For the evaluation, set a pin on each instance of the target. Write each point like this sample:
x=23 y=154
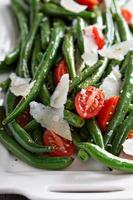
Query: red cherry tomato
x=62 y=147
x=60 y=70
x=24 y=118
x=127 y=15
x=130 y=134
x=98 y=37
x=89 y=102
x=107 y=112
x=89 y=3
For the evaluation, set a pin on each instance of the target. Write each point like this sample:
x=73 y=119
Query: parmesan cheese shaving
x=72 y=6
x=90 y=56
x=59 y=97
x=20 y=86
x=108 y=3
x=51 y=118
x=128 y=147
x=117 y=51
x=112 y=83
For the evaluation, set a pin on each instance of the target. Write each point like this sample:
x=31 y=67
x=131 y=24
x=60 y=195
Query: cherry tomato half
x=127 y=15
x=130 y=134
x=89 y=102
x=60 y=70
x=24 y=118
x=98 y=37
x=62 y=147
x=107 y=112
x=89 y=3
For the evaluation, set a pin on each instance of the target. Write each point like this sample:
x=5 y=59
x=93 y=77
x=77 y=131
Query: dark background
x=12 y=197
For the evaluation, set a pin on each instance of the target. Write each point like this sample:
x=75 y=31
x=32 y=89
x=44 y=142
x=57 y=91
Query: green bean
x=54 y=1
x=106 y=158
x=122 y=109
x=95 y=132
x=112 y=63
x=53 y=163
x=50 y=82
x=39 y=56
x=25 y=140
x=20 y=135
x=122 y=27
x=43 y=69
x=5 y=84
x=79 y=32
x=125 y=63
x=121 y=134
x=131 y=27
x=84 y=133
x=12 y=56
x=57 y=11
x=27 y=46
x=88 y=71
x=34 y=8
x=44 y=95
x=83 y=155
x=21 y=18
x=70 y=104
x=37 y=136
x=117 y=35
x=32 y=125
x=73 y=119
x=130 y=107
x=68 y=51
x=95 y=77
x=45 y=32
x=36 y=50
x=121 y=23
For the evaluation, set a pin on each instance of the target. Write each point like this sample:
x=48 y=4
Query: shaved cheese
x=90 y=56
x=112 y=83
x=59 y=97
x=20 y=86
x=128 y=147
x=108 y=3
x=51 y=118
x=72 y=6
x=117 y=51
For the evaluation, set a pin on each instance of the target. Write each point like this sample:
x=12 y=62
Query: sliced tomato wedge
x=62 y=147
x=60 y=70
x=127 y=15
x=130 y=134
x=24 y=118
x=107 y=112
x=89 y=102
x=98 y=37
x=91 y=4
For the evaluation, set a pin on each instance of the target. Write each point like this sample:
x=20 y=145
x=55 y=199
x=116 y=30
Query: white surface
x=82 y=179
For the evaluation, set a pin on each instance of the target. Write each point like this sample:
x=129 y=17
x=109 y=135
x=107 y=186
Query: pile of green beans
x=49 y=34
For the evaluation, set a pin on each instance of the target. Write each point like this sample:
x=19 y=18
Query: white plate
x=81 y=181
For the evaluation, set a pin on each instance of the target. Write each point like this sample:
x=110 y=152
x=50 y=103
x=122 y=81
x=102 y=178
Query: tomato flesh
x=24 y=118
x=60 y=70
x=91 y=4
x=62 y=146
x=98 y=37
x=89 y=102
x=127 y=15
x=107 y=112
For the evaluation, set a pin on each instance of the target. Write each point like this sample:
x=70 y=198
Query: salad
x=70 y=89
